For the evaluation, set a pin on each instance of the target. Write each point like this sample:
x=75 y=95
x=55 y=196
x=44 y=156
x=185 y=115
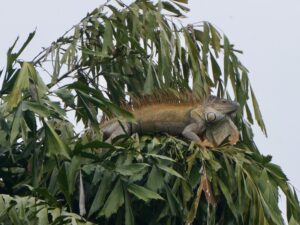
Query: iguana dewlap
x=218 y=132
x=188 y=120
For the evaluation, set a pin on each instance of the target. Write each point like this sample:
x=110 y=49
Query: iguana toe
x=205 y=144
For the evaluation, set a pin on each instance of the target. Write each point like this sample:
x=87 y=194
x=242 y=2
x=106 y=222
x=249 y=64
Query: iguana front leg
x=191 y=132
x=197 y=127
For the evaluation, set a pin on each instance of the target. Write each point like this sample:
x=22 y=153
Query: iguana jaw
x=235 y=106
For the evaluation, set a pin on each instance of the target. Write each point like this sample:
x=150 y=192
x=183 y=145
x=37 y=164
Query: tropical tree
x=55 y=167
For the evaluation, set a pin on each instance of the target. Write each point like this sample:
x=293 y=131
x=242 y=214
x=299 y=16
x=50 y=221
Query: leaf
x=181 y=1
x=114 y=201
x=149 y=83
x=72 y=173
x=16 y=125
x=227 y=195
x=82 y=210
x=170 y=171
x=92 y=145
x=104 y=188
x=269 y=197
x=257 y=113
x=36 y=85
x=54 y=144
x=155 y=179
x=173 y=202
x=21 y=83
x=62 y=180
x=107 y=38
x=169 y=7
x=37 y=108
x=215 y=38
x=129 y=217
x=226 y=59
x=143 y=193
x=215 y=68
x=42 y=215
x=11 y=57
x=99 y=100
x=185 y=9
x=66 y=96
x=131 y=169
x=28 y=40
x=161 y=157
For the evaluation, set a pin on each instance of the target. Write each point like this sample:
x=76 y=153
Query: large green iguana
x=191 y=120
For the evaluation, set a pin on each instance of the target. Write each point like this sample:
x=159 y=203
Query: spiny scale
x=163 y=97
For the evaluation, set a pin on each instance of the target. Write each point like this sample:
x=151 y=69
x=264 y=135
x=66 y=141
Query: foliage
x=117 y=51
x=30 y=210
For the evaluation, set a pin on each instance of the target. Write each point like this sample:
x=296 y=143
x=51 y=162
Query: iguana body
x=188 y=120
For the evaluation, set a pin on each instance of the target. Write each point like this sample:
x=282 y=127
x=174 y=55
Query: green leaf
x=170 y=171
x=226 y=59
x=11 y=57
x=37 y=108
x=107 y=38
x=129 y=217
x=62 y=180
x=155 y=179
x=149 y=83
x=104 y=188
x=225 y=190
x=169 y=7
x=55 y=145
x=15 y=129
x=143 y=193
x=161 y=157
x=173 y=202
x=21 y=83
x=114 y=201
x=215 y=68
x=181 y=1
x=92 y=145
x=257 y=113
x=131 y=169
x=66 y=96
x=72 y=173
x=215 y=38
x=98 y=99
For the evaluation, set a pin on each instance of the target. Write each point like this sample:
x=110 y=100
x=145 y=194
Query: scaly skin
x=190 y=121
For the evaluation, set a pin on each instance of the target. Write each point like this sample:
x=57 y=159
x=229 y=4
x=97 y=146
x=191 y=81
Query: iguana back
x=160 y=118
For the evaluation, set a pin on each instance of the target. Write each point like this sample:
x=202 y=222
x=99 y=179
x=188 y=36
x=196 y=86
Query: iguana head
x=218 y=108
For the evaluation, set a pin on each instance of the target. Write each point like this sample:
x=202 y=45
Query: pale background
x=266 y=30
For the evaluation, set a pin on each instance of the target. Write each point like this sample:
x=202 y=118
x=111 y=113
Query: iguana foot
x=205 y=144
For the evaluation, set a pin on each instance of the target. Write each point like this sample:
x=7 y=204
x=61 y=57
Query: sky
x=267 y=31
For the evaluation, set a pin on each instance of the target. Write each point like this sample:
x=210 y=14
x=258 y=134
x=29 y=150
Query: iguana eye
x=210 y=117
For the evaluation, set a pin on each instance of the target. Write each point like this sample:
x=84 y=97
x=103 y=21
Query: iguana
x=188 y=118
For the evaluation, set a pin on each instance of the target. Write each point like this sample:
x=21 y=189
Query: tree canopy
x=51 y=169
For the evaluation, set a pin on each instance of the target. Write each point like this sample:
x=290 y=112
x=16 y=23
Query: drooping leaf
x=55 y=145
x=143 y=193
x=170 y=171
x=114 y=201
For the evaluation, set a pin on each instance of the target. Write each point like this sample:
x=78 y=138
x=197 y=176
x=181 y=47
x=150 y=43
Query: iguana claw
x=205 y=144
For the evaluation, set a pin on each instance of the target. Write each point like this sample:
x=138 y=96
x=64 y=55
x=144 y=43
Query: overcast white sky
x=267 y=31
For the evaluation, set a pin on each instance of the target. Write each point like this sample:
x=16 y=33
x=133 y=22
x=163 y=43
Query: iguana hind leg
x=118 y=128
